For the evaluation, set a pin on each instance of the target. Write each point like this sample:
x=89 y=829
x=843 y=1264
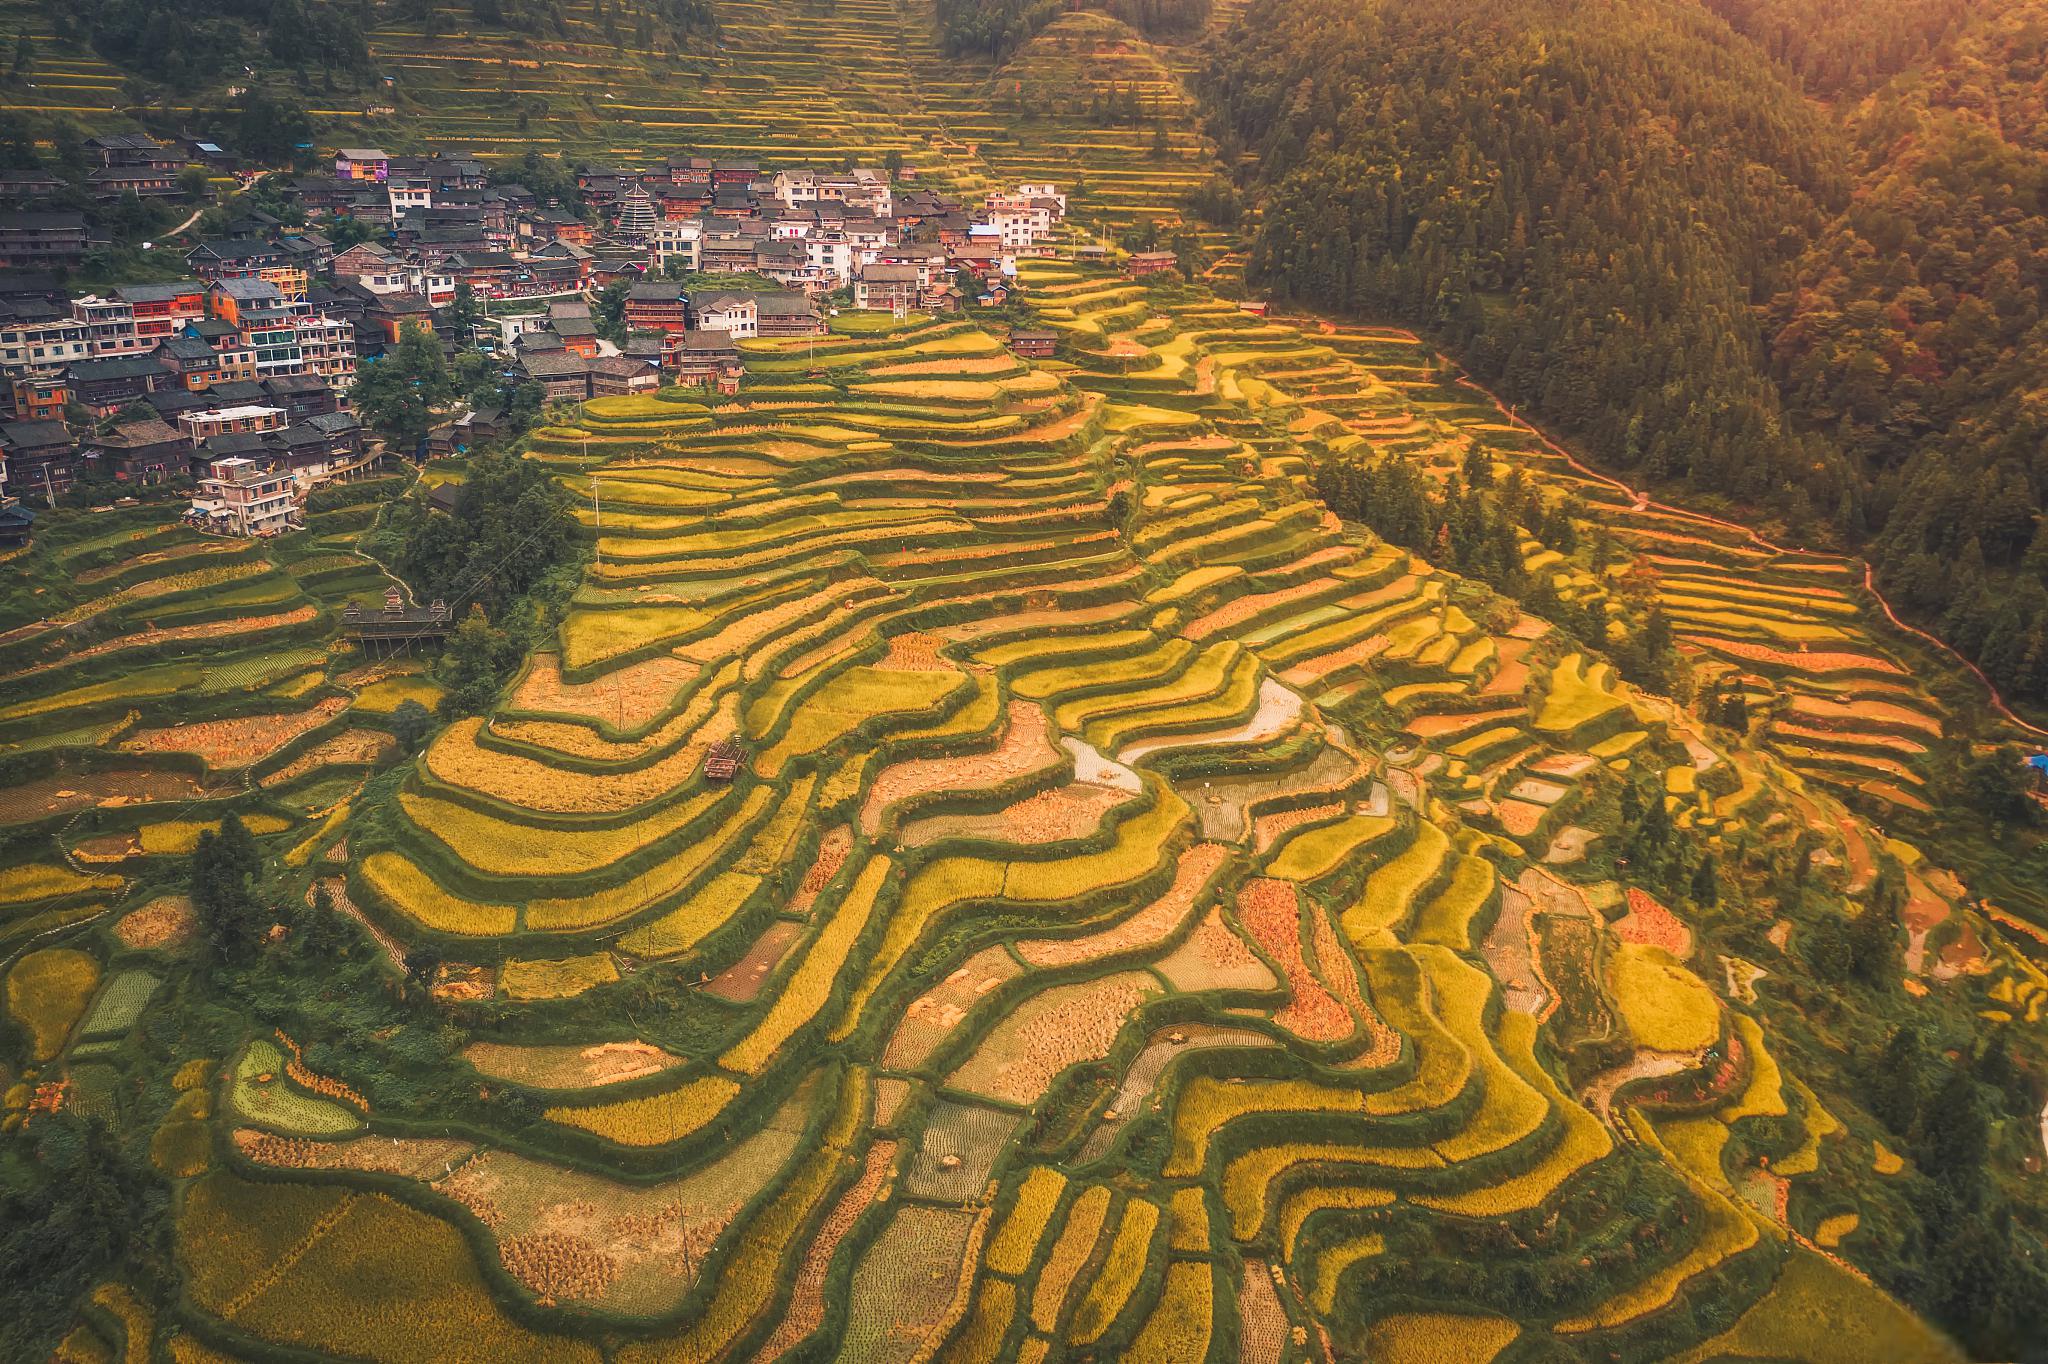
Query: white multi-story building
x=109 y=325
x=795 y=187
x=408 y=193
x=223 y=421
x=327 y=346
x=681 y=241
x=869 y=237
x=1044 y=191
x=435 y=285
x=861 y=189
x=44 y=345
x=736 y=314
x=243 y=498
x=833 y=256
x=1021 y=225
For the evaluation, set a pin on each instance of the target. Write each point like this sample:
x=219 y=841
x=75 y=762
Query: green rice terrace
x=1151 y=918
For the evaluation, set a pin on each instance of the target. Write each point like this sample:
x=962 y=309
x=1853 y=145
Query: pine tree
x=1876 y=957
x=474 y=664
x=1955 y=1131
x=221 y=879
x=1893 y=1088
x=1706 y=889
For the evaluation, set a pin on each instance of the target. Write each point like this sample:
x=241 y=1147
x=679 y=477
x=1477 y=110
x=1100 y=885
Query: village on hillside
x=239 y=375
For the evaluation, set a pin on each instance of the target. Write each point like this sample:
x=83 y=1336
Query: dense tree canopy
x=187 y=44
x=1634 y=220
x=510 y=525
x=400 y=391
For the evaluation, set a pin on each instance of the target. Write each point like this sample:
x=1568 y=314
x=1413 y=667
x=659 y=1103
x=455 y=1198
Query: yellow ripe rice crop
x=1178 y=1329
x=849 y=700
x=456 y=759
x=138 y=1323
x=1439 y=1338
x=556 y=979
x=1447 y=919
x=1725 y=1229
x=655 y=1119
x=1331 y=1264
x=1009 y=1250
x=33 y=881
x=1666 y=1007
x=713 y=707
x=162 y=587
x=981 y=713
x=664 y=878
x=1206 y=1106
x=1140 y=844
x=1696 y=1145
x=499 y=847
x=1400 y=989
x=1193 y=581
x=1047 y=683
x=1584 y=1140
x=1316 y=852
x=1069 y=1254
x=933 y=888
x=1190 y=1226
x=627 y=699
x=707 y=910
x=1764 y=1096
x=1579 y=694
x=47 y=991
x=1042 y=648
x=179 y=836
x=591 y=638
x=1121 y=1269
x=1203 y=676
x=383 y=697
x=980 y=1341
x=807 y=988
x=1512 y=1109
x=1389 y=894
x=770 y=847
x=1832 y=1231
x=1303 y=1204
x=1821 y=1313
x=753 y=1273
x=332 y=1271
x=413 y=893
x=1820 y=1124
x=1248 y=1180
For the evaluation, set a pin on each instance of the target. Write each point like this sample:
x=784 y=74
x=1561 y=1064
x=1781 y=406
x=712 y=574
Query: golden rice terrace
x=1149 y=919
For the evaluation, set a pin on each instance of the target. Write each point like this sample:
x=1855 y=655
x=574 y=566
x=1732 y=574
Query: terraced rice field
x=784 y=85
x=1141 y=936
x=172 y=676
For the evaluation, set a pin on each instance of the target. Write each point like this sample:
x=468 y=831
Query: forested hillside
x=1843 y=47
x=1684 y=234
